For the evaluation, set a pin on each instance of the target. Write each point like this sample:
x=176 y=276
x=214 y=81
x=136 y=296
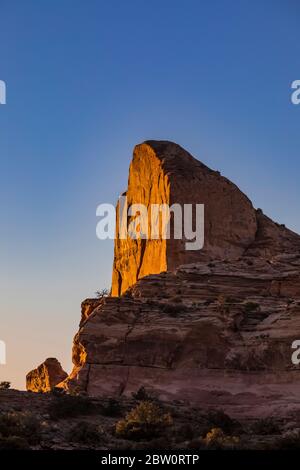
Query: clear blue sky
x=86 y=81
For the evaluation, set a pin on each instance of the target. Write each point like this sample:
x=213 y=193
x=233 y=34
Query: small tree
x=142 y=395
x=102 y=293
x=5 y=385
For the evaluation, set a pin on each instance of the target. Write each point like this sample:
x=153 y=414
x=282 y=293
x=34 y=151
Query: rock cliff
x=213 y=326
x=165 y=173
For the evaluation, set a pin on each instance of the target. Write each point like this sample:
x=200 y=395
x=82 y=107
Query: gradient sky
x=86 y=81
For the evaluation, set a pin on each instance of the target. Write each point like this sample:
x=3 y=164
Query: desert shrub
x=101 y=293
x=142 y=395
x=5 y=385
x=111 y=408
x=264 y=427
x=13 y=443
x=250 y=307
x=146 y=420
x=67 y=406
x=85 y=433
x=219 y=419
x=216 y=439
x=20 y=424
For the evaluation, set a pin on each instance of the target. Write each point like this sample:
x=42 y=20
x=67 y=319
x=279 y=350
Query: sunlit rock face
x=162 y=172
x=46 y=376
x=213 y=327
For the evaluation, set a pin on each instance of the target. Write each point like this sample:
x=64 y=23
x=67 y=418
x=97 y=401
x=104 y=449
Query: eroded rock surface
x=213 y=327
x=165 y=173
x=46 y=376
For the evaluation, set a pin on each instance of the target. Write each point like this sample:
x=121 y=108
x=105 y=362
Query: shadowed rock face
x=213 y=327
x=46 y=376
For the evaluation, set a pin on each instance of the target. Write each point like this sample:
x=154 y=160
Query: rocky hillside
x=213 y=327
x=56 y=421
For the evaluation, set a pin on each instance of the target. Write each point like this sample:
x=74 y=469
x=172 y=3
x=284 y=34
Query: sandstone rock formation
x=87 y=307
x=165 y=173
x=46 y=376
x=213 y=327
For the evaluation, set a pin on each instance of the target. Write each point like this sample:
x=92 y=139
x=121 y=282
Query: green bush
x=145 y=421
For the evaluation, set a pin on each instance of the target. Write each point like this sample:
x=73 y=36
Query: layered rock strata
x=213 y=326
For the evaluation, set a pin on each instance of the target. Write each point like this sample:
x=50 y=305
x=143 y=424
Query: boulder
x=46 y=376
